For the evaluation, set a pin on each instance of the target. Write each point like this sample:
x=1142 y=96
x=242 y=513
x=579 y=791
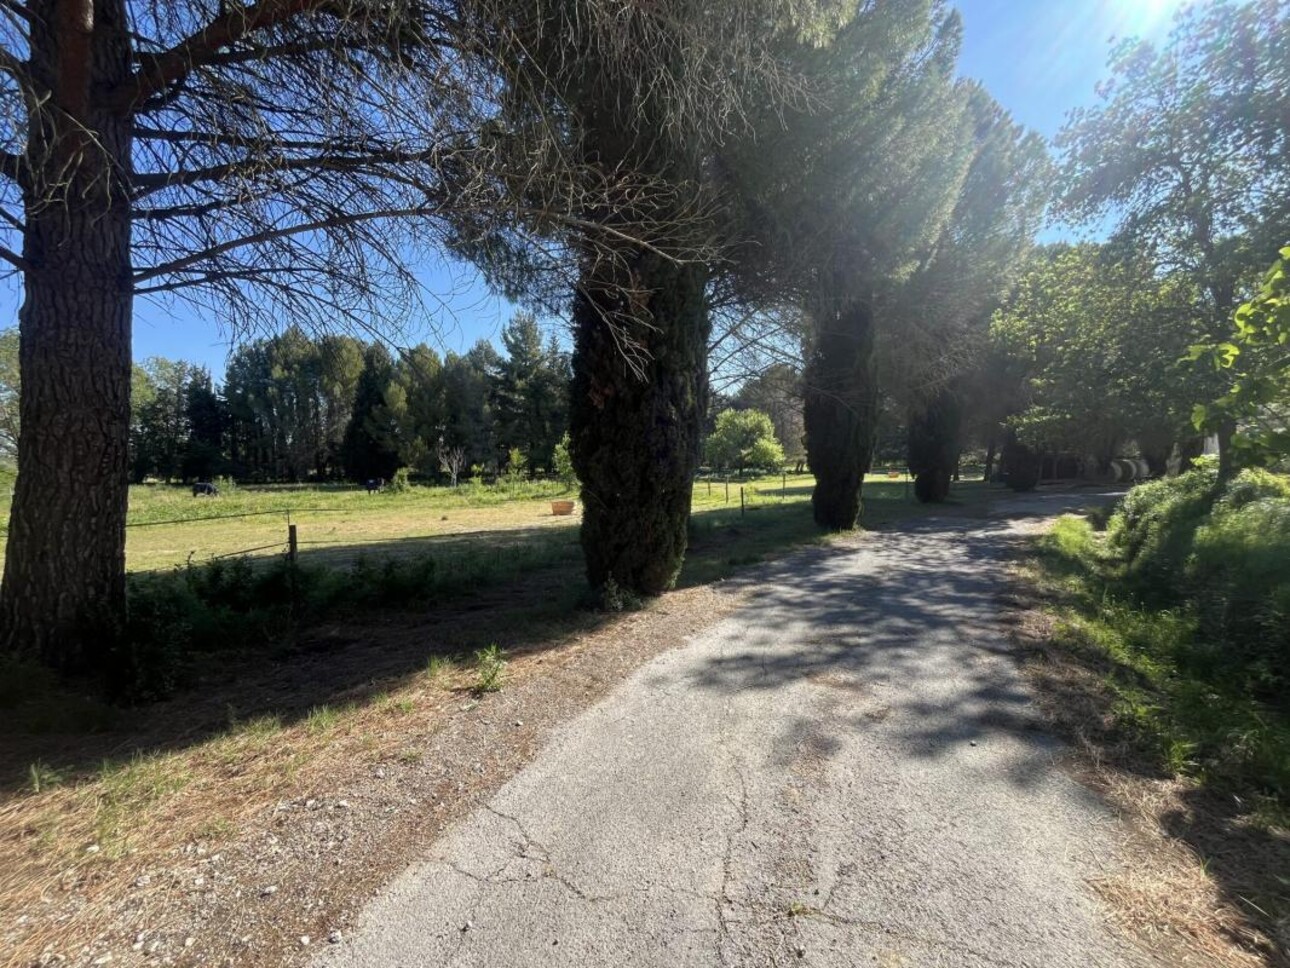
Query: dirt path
x=846 y=771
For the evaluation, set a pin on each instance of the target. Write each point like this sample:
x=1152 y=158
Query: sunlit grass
x=1191 y=714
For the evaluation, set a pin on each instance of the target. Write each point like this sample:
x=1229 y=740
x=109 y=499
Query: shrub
x=517 y=465
x=562 y=462
x=1154 y=525
x=615 y=598
x=1223 y=553
x=238 y=604
x=401 y=482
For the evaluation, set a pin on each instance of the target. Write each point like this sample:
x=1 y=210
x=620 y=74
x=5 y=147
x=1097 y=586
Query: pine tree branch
x=15 y=260
x=158 y=72
x=316 y=225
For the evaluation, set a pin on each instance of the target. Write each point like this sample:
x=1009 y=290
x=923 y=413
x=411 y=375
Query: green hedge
x=1223 y=553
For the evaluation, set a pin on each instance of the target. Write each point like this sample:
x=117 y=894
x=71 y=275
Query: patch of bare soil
x=1192 y=865
x=257 y=845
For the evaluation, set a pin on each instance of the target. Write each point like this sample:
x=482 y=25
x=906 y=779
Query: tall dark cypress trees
x=934 y=446
x=841 y=410
x=370 y=449
x=636 y=429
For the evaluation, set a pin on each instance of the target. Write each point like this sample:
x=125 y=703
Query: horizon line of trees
x=294 y=407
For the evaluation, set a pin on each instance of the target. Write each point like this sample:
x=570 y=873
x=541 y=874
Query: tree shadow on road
x=914 y=615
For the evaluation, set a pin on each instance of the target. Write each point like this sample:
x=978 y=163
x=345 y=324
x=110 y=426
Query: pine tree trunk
x=989 y=459
x=1022 y=467
x=63 y=593
x=934 y=447
x=840 y=412
x=636 y=419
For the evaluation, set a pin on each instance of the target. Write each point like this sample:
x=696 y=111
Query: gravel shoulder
x=847 y=769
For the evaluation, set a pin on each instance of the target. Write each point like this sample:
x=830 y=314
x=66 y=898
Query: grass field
x=168 y=527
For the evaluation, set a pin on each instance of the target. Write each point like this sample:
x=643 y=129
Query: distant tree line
x=294 y=407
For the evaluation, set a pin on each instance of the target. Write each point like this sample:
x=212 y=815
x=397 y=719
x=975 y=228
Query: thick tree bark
x=636 y=420
x=63 y=594
x=1022 y=467
x=989 y=459
x=840 y=412
x=934 y=447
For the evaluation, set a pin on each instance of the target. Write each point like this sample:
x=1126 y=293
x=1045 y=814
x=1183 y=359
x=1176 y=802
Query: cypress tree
x=840 y=411
x=635 y=430
x=370 y=450
x=934 y=446
x=1022 y=466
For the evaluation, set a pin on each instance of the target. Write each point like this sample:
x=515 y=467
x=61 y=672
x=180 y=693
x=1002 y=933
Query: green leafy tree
x=161 y=424
x=468 y=422
x=207 y=417
x=562 y=462
x=1256 y=358
x=340 y=363
x=744 y=438
x=1187 y=150
x=416 y=401
x=530 y=392
x=1099 y=339
x=777 y=392
x=272 y=387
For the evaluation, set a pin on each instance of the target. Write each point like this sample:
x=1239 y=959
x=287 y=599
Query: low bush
x=1184 y=602
x=1222 y=552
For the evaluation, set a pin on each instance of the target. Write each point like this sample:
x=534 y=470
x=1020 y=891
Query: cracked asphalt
x=848 y=771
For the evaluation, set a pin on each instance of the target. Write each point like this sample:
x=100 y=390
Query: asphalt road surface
x=846 y=772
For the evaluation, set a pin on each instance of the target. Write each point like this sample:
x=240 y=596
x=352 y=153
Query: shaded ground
x=847 y=770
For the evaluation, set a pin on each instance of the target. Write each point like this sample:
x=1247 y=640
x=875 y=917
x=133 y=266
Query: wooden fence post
x=741 y=500
x=727 y=490
x=293 y=547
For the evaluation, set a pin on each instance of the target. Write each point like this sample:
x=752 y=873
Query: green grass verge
x=1193 y=716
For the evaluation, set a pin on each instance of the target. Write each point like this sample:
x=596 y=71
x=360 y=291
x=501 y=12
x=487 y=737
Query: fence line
x=247 y=551
x=287 y=512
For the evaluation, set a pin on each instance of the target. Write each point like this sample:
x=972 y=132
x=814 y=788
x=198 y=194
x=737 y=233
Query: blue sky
x=1039 y=58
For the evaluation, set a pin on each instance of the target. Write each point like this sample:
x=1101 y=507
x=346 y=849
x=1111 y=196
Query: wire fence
x=318 y=541
x=302 y=531
x=748 y=495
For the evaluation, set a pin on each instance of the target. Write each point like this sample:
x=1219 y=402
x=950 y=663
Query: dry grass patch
x=322 y=807
x=97 y=835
